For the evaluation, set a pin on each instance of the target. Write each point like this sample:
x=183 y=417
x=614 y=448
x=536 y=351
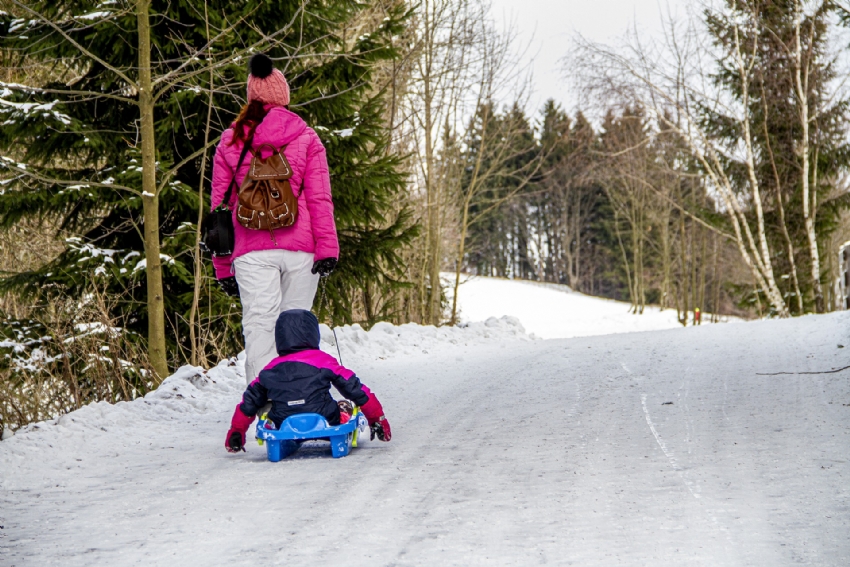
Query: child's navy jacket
x=298 y=381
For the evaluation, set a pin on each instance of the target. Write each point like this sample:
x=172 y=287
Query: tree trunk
x=637 y=261
x=197 y=352
x=576 y=277
x=715 y=309
x=567 y=236
x=625 y=260
x=763 y=250
x=434 y=293
x=702 y=274
x=666 y=262
x=683 y=274
x=464 y=225
x=150 y=199
x=431 y=197
x=808 y=213
x=781 y=208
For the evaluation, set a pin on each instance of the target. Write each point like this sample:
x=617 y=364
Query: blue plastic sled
x=296 y=429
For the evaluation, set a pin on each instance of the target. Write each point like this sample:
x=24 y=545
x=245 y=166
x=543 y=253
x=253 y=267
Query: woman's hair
x=249 y=117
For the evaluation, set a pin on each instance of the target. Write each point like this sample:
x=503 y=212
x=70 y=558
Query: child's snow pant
x=270 y=282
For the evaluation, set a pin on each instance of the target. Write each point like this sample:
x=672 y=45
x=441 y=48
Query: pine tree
x=566 y=203
x=502 y=157
x=72 y=143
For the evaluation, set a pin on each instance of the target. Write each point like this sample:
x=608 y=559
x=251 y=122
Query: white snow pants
x=270 y=282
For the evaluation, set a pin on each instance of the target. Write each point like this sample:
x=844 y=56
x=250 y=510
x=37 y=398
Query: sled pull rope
x=324 y=282
x=339 y=354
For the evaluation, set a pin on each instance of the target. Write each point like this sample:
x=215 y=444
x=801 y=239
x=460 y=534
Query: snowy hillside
x=718 y=445
x=552 y=311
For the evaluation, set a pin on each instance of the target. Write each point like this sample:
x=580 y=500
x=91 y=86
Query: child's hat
x=265 y=83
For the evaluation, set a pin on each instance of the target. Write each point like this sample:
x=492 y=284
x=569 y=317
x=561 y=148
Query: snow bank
x=190 y=390
x=385 y=339
x=194 y=390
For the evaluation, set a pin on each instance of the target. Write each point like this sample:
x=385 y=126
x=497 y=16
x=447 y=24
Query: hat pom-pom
x=260 y=66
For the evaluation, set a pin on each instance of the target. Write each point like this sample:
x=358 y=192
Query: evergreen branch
x=328 y=96
x=24 y=172
x=73 y=42
x=226 y=61
x=168 y=174
x=93 y=94
x=192 y=57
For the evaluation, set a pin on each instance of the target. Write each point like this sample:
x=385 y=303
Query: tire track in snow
x=671 y=458
x=667 y=452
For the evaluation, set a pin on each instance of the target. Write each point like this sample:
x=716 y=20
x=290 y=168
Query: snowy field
x=718 y=445
x=552 y=311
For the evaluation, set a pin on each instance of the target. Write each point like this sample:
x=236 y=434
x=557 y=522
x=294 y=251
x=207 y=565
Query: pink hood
x=315 y=230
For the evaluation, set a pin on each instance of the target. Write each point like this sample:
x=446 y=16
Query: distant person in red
x=697 y=316
x=299 y=381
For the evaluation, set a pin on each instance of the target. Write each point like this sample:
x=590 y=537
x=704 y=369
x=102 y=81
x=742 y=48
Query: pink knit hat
x=265 y=83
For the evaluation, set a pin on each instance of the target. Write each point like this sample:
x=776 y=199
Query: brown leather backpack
x=266 y=200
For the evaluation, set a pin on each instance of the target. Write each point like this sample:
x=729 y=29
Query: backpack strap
x=224 y=202
x=259 y=149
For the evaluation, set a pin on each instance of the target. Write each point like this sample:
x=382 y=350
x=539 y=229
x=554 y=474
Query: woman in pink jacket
x=274 y=271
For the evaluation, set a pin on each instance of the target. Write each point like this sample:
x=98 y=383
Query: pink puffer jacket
x=315 y=230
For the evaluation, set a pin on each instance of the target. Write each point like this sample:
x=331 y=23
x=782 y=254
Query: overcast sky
x=549 y=24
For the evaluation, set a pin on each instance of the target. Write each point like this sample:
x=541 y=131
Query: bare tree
x=673 y=85
x=442 y=74
x=625 y=179
x=459 y=65
x=754 y=96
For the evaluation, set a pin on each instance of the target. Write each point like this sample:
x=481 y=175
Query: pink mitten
x=381 y=429
x=235 y=440
x=374 y=413
x=372 y=409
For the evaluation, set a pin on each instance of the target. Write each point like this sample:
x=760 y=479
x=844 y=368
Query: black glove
x=235 y=442
x=229 y=286
x=324 y=267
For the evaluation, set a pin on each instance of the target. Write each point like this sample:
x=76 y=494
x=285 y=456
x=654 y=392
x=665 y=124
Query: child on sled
x=299 y=381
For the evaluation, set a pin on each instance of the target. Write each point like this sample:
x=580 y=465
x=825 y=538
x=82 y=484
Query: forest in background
x=703 y=171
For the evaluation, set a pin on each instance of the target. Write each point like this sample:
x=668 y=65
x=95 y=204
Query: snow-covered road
x=663 y=448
